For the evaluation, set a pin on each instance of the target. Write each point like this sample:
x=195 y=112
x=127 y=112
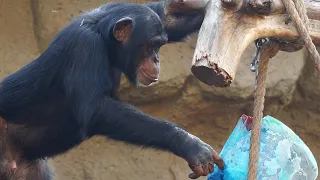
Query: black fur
x=68 y=93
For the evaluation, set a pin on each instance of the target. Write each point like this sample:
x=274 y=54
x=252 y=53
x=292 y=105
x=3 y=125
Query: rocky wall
x=26 y=28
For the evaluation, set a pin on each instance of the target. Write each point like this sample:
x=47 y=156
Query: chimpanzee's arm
x=99 y=114
x=124 y=122
x=178 y=25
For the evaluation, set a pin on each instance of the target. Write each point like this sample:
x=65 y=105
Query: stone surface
x=208 y=112
x=309 y=85
x=17 y=40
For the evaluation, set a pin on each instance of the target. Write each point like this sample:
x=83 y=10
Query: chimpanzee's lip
x=151 y=78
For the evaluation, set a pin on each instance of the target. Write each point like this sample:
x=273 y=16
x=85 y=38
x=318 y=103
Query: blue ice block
x=283 y=155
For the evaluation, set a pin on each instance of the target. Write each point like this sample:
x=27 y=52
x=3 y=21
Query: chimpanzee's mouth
x=150 y=77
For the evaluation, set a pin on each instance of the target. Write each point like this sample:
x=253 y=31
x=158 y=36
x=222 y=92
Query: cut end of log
x=212 y=75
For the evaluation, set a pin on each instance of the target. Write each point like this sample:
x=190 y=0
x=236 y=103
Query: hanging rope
x=265 y=51
x=297 y=11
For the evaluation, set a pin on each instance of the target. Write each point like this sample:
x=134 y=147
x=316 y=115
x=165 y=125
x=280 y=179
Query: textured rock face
x=18 y=44
x=208 y=112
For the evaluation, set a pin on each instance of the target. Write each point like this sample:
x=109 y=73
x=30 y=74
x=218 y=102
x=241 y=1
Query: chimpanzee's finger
x=197 y=171
x=193 y=176
x=205 y=170
x=210 y=167
x=218 y=160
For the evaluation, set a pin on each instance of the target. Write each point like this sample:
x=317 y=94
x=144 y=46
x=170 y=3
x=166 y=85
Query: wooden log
x=231 y=25
x=174 y=6
x=226 y=33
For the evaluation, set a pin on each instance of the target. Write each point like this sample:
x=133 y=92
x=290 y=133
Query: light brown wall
x=27 y=26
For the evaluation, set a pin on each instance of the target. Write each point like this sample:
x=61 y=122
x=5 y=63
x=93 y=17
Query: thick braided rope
x=259 y=99
x=301 y=9
x=298 y=14
x=297 y=11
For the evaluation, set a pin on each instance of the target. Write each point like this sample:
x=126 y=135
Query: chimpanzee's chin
x=139 y=84
x=143 y=85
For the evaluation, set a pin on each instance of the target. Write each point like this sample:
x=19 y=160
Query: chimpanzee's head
x=139 y=36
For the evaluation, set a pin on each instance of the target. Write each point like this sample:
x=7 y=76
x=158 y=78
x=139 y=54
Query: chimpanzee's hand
x=201 y=157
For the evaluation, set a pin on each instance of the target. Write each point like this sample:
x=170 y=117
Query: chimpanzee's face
x=140 y=48
x=148 y=68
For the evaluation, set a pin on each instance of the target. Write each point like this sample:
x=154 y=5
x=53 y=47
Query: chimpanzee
x=68 y=93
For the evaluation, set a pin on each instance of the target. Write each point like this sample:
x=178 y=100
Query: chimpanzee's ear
x=122 y=29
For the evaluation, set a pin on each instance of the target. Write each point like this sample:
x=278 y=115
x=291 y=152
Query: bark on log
x=231 y=25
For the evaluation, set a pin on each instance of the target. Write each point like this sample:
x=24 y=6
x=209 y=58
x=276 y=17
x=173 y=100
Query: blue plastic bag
x=283 y=155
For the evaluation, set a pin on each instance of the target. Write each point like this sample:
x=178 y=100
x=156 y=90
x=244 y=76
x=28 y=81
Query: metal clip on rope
x=255 y=61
